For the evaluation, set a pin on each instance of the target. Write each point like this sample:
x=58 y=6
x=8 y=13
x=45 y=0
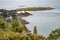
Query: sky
x=16 y=3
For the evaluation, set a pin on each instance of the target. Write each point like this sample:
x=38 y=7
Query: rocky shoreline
x=13 y=12
x=24 y=21
x=24 y=14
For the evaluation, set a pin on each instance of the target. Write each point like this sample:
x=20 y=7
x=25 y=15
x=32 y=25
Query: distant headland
x=34 y=8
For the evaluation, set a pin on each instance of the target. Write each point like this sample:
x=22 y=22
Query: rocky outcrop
x=25 y=14
x=24 y=21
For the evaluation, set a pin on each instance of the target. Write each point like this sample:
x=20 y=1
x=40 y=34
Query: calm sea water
x=46 y=21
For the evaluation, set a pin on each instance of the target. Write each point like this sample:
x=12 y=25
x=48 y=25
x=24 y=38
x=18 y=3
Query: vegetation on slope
x=14 y=32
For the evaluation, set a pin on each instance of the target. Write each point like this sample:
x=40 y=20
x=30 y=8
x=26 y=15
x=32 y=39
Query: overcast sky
x=16 y=3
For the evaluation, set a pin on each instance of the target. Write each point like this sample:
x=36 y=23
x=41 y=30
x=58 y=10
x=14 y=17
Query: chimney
x=35 y=31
